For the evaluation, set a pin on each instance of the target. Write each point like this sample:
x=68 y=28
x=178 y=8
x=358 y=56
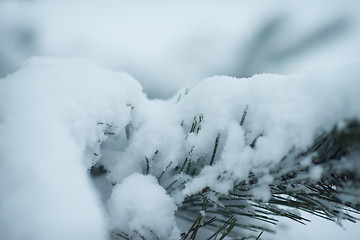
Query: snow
x=67 y=106
x=63 y=114
x=318 y=228
x=275 y=114
x=156 y=123
x=140 y=204
x=50 y=111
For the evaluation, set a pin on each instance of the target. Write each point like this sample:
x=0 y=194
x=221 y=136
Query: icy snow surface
x=59 y=117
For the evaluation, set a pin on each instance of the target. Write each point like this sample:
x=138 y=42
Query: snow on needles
x=281 y=112
x=59 y=117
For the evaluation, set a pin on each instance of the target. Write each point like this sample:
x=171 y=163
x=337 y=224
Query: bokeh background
x=168 y=45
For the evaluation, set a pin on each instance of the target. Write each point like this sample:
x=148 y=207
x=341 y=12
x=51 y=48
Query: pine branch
x=239 y=214
x=331 y=197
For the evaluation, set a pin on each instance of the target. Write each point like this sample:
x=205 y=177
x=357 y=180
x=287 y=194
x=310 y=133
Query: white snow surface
x=287 y=110
x=54 y=114
x=50 y=115
x=140 y=204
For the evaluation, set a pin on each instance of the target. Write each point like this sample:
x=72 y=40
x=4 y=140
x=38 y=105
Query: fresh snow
x=60 y=116
x=140 y=204
x=51 y=112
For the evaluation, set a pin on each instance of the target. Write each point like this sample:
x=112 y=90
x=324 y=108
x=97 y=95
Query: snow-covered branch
x=229 y=152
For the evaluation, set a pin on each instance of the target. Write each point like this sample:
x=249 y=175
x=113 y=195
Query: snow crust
x=60 y=116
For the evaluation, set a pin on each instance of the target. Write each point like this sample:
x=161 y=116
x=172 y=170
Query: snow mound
x=51 y=115
x=140 y=205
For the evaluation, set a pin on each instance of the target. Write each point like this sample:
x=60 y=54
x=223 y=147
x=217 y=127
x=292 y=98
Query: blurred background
x=167 y=45
x=170 y=44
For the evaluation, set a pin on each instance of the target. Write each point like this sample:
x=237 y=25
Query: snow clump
x=140 y=204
